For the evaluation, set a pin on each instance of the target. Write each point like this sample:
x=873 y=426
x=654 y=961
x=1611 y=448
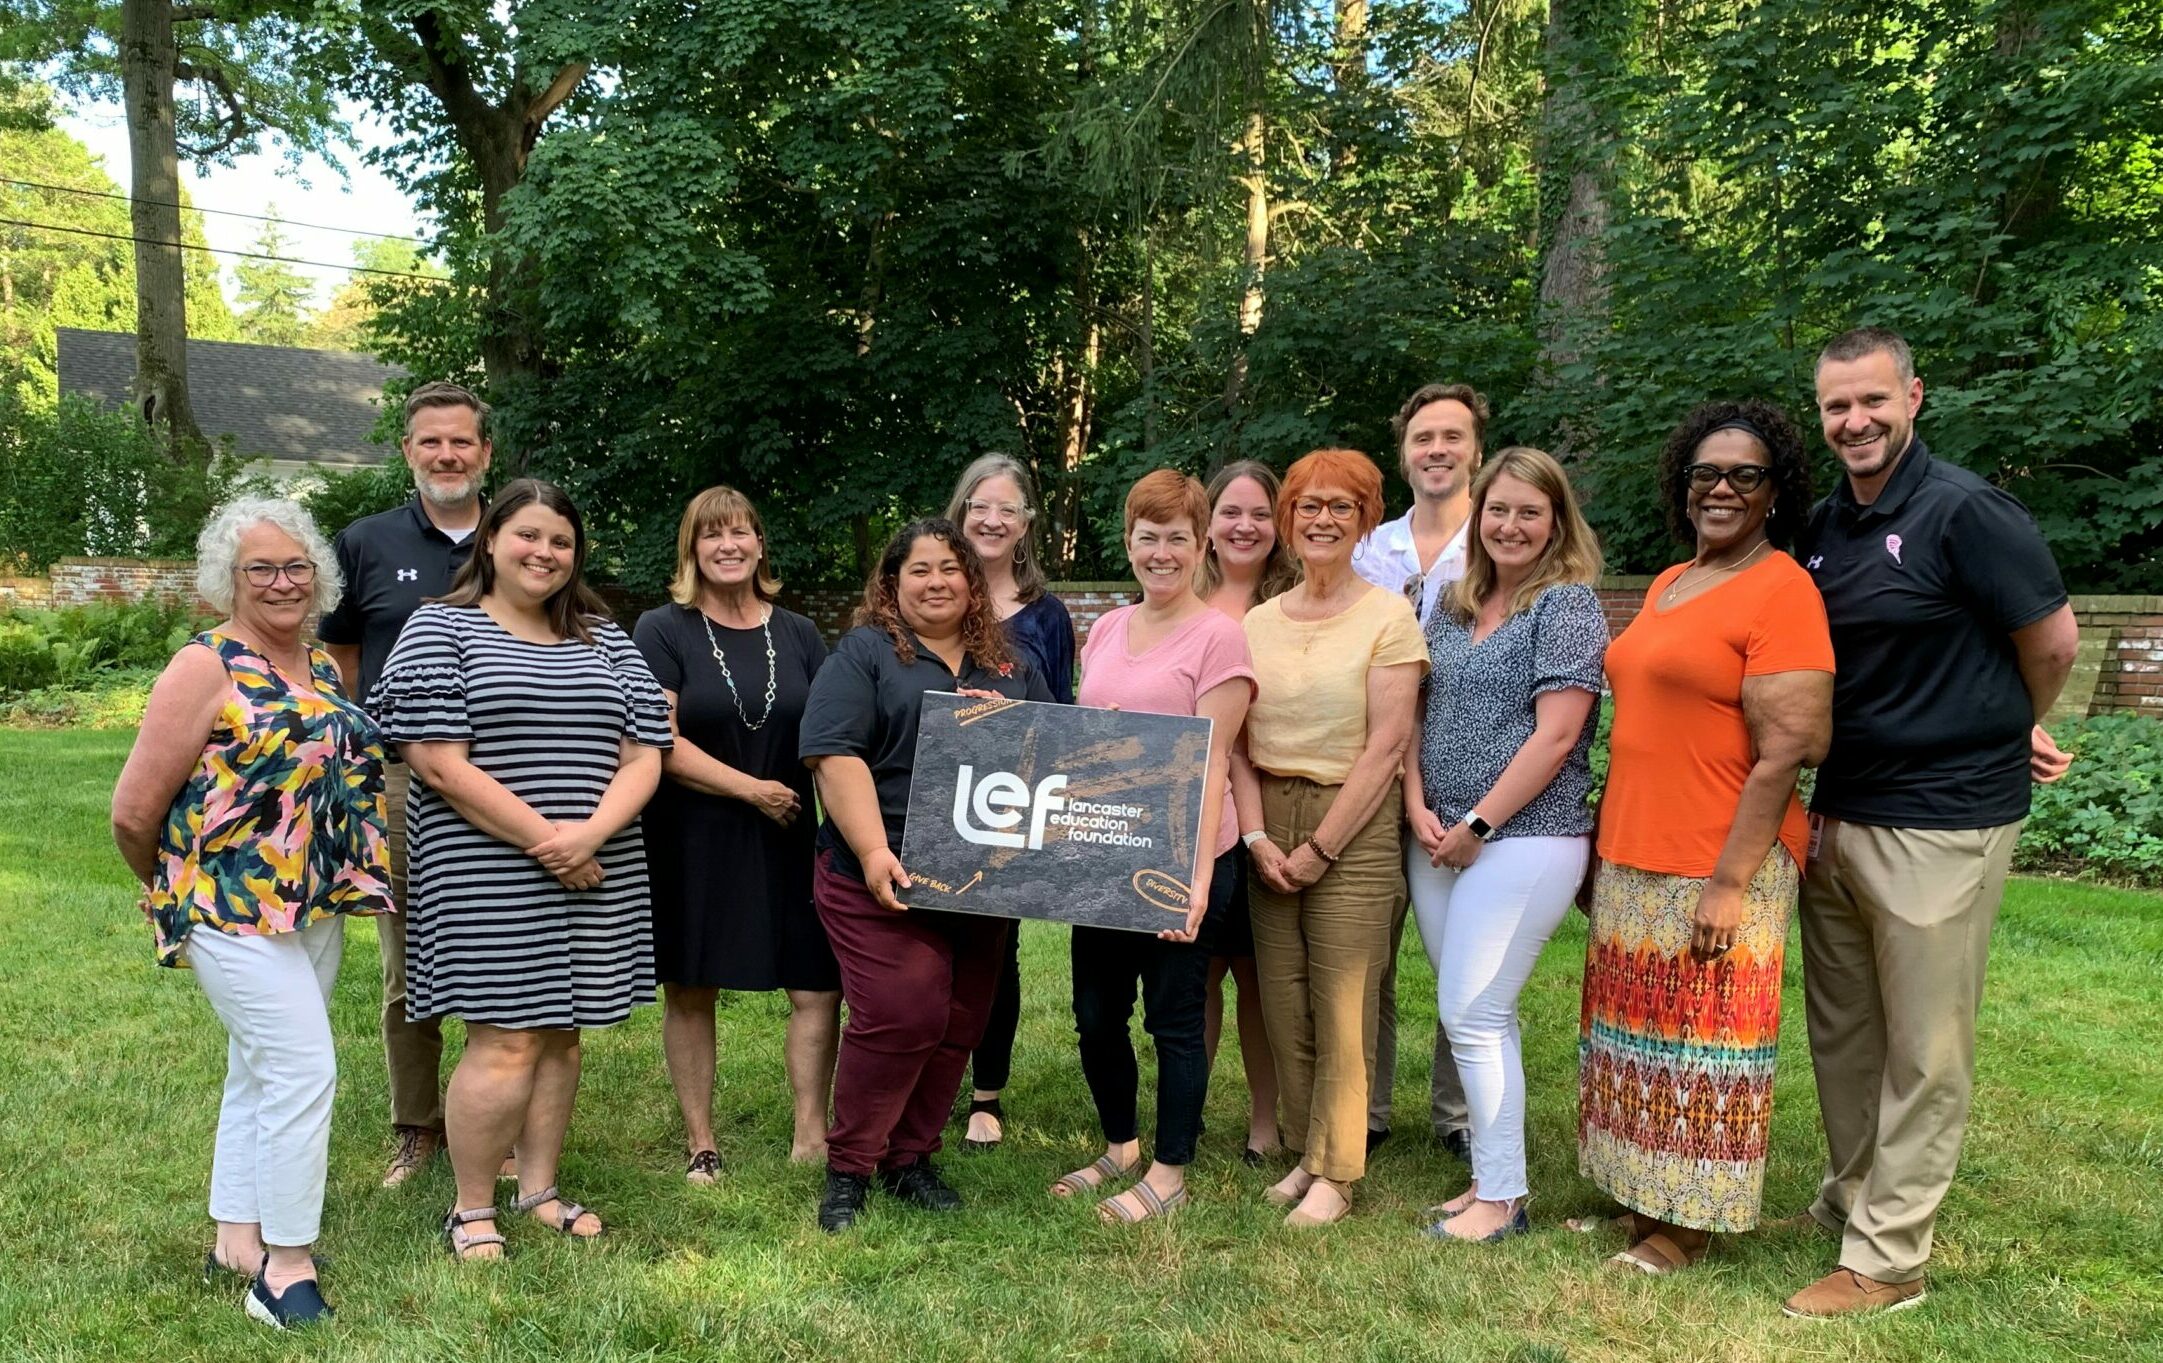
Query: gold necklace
x=1674 y=589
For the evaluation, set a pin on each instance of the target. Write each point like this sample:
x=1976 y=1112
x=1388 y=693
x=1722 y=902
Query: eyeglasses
x=300 y=572
x=1006 y=512
x=1744 y=478
x=1307 y=508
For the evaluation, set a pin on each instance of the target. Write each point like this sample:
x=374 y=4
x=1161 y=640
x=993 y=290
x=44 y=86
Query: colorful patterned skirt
x=1675 y=1058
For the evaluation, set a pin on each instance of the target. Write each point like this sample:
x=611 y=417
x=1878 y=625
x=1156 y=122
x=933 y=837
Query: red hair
x=1165 y=496
x=1347 y=469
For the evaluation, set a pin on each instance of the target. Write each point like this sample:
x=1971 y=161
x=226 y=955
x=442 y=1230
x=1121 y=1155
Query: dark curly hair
x=1783 y=447
x=981 y=633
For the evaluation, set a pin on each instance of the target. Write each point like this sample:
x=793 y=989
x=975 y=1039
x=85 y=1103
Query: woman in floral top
x=251 y=809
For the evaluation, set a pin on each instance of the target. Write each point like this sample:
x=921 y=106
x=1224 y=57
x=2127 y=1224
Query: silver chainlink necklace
x=766 y=629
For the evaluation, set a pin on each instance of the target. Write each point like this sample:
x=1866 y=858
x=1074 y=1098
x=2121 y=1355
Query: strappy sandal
x=567 y=1212
x=1657 y=1256
x=705 y=1167
x=997 y=1114
x=462 y=1245
x=1106 y=1168
x=1113 y=1212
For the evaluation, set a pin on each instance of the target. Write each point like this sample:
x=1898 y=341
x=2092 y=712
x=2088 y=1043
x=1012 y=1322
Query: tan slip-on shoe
x=1844 y=1292
x=416 y=1146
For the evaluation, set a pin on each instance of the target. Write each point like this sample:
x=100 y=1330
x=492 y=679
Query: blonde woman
x=1496 y=801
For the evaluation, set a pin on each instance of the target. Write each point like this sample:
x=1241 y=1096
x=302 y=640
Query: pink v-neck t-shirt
x=1205 y=651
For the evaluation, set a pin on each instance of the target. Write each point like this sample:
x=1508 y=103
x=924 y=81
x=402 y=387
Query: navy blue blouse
x=1044 y=634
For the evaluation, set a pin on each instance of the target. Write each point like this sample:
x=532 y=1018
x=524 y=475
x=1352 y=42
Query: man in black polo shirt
x=1952 y=636
x=392 y=561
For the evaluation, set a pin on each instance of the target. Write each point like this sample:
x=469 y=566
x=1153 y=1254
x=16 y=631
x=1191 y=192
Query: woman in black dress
x=729 y=835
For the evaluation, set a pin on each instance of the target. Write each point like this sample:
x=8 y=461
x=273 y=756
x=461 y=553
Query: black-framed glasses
x=1744 y=478
x=300 y=572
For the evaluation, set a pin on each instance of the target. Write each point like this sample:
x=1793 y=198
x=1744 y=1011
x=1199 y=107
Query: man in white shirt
x=1440 y=430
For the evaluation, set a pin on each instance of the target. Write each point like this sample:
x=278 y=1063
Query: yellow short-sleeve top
x=1310 y=716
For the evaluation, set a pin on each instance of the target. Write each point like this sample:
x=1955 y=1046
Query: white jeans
x=1483 y=928
x=281 y=1072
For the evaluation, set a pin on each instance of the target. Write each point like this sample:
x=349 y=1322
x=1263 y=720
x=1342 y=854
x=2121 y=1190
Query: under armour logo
x=1815 y=561
x=1892 y=546
x=409 y=574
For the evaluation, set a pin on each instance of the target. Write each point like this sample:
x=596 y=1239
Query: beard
x=436 y=494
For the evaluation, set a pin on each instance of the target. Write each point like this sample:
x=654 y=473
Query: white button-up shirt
x=1389 y=558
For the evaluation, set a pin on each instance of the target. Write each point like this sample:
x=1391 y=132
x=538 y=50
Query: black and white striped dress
x=491 y=936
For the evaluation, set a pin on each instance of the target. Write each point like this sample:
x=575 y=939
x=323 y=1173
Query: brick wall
x=2121 y=637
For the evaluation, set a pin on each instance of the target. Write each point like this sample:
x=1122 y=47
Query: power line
x=220 y=250
x=221 y=212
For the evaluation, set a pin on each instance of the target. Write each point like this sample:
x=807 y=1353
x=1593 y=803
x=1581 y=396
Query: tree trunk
x=1146 y=338
x=1077 y=399
x=1348 y=68
x=1574 y=158
x=1253 y=264
x=147 y=62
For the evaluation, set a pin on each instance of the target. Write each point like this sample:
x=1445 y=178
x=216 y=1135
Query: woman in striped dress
x=536 y=730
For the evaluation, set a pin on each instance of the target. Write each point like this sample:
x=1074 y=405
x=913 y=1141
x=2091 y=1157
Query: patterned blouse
x=1482 y=706
x=282 y=823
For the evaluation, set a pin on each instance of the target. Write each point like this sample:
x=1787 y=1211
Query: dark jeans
x=994 y=1063
x=918 y=986
x=1174 y=977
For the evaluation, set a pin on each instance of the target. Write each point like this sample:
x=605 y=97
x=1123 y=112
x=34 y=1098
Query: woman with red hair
x=1320 y=804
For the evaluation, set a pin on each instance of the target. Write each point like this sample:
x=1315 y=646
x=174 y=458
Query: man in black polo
x=392 y=561
x=1952 y=637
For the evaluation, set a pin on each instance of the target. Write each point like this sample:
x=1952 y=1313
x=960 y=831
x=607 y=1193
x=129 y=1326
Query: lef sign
x=1025 y=810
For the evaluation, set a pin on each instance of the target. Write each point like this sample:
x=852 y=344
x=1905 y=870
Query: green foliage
x=339 y=499
x=26 y=660
x=274 y=296
x=79 y=479
x=87 y=664
x=2106 y=815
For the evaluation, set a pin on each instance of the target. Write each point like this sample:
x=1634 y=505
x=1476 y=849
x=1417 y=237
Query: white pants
x=281 y=1072
x=1483 y=928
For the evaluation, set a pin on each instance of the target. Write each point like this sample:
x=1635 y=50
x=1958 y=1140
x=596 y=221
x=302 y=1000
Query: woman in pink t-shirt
x=1171 y=655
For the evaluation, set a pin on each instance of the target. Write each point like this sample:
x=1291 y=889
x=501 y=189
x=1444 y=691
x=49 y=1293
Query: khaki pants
x=1446 y=1110
x=1319 y=955
x=1895 y=935
x=413 y=1050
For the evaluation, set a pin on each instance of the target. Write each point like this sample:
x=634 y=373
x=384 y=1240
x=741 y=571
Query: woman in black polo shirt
x=918 y=982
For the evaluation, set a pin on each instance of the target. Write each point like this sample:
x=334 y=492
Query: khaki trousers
x=1446 y=1110
x=412 y=1050
x=1895 y=935
x=1319 y=955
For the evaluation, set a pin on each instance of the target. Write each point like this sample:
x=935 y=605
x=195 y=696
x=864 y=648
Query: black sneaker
x=300 y=1304
x=843 y=1200
x=920 y=1185
x=1375 y=1136
x=1458 y=1143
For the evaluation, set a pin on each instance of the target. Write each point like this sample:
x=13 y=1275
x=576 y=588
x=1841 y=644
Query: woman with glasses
x=994 y=503
x=251 y=809
x=1339 y=662
x=1723 y=693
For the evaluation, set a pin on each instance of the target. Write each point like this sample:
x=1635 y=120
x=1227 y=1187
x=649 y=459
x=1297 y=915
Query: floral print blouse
x=283 y=822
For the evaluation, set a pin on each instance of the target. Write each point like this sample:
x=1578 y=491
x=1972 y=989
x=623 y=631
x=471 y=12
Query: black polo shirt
x=1923 y=588
x=392 y=561
x=866 y=703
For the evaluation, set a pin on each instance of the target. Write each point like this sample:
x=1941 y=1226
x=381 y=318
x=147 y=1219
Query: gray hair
x=217 y=549
x=1029 y=580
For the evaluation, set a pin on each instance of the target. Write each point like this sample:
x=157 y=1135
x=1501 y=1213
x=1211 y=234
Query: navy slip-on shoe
x=300 y=1304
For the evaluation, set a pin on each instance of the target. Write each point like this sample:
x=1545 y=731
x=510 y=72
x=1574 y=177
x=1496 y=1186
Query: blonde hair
x=718 y=508
x=1029 y=580
x=1572 y=554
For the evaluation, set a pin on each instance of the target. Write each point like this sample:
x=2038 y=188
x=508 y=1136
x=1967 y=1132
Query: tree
x=274 y=296
x=353 y=319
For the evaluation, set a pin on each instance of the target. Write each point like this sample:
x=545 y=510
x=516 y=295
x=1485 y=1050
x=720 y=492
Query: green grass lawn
x=2050 y=1245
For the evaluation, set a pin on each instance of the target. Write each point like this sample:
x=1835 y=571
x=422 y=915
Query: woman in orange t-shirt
x=1723 y=693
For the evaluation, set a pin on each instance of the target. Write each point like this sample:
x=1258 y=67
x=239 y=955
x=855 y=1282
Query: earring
x=1021 y=555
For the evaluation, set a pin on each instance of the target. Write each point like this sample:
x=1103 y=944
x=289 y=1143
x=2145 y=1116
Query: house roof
x=276 y=402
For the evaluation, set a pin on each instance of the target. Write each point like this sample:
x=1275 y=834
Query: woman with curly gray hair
x=251 y=809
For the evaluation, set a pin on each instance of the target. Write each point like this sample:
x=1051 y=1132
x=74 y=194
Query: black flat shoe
x=990 y=1105
x=842 y=1201
x=300 y=1304
x=1375 y=1136
x=919 y=1185
x=1252 y=1158
x=1458 y=1143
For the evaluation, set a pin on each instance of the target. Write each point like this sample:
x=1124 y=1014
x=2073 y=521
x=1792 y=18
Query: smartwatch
x=1481 y=829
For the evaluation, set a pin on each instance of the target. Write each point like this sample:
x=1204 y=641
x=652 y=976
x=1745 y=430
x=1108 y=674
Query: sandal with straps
x=1113 y=1212
x=990 y=1107
x=1106 y=1168
x=1657 y=1256
x=567 y=1212
x=462 y=1244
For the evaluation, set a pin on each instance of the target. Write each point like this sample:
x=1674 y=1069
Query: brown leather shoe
x=416 y=1146
x=1844 y=1292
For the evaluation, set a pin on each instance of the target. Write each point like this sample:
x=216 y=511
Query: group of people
x=550 y=817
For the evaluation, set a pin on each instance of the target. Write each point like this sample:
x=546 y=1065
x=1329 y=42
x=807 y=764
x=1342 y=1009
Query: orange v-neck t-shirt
x=1680 y=750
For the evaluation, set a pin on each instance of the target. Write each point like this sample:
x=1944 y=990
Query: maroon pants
x=919 y=987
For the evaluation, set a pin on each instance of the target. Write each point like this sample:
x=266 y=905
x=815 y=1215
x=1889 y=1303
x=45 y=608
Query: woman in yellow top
x=1339 y=664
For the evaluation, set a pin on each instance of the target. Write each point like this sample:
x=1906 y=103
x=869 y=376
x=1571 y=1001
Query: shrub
x=2106 y=816
x=26 y=660
x=339 y=499
x=71 y=646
